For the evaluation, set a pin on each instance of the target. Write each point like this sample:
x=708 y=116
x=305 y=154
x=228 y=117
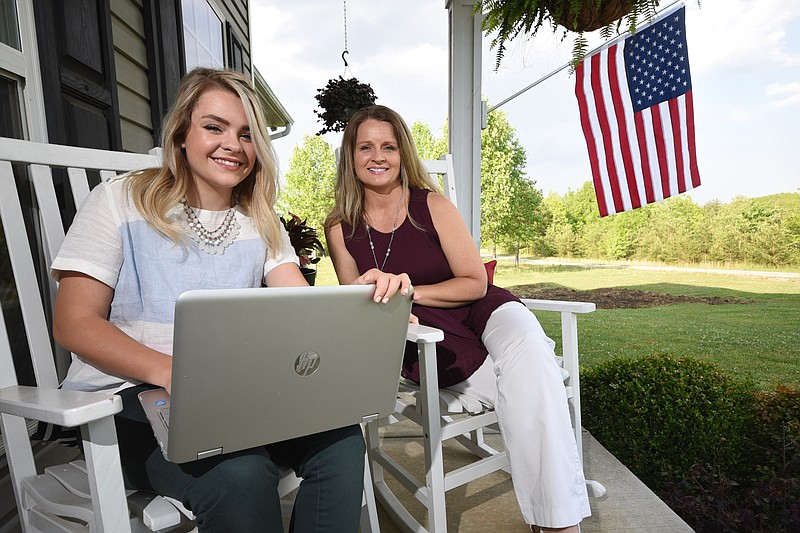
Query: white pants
x=522 y=380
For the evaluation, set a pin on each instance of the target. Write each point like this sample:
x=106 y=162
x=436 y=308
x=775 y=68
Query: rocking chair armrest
x=559 y=305
x=56 y=406
x=424 y=334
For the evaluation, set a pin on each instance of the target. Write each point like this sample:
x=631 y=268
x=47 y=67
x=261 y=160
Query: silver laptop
x=256 y=366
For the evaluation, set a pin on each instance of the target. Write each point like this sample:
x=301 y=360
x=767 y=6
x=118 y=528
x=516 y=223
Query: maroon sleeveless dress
x=419 y=254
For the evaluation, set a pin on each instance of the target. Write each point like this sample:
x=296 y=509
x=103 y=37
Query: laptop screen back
x=255 y=366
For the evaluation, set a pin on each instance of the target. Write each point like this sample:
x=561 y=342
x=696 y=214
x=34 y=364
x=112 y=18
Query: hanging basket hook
x=343 y=58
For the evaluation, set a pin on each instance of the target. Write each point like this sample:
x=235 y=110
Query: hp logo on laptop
x=306 y=363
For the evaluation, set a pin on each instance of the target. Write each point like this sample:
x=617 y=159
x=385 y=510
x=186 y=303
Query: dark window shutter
x=165 y=56
x=235 y=49
x=76 y=55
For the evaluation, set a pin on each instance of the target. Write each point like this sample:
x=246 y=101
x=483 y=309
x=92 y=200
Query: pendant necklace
x=211 y=242
x=391 y=239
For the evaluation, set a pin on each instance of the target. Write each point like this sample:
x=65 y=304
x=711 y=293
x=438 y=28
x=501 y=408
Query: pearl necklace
x=212 y=242
x=391 y=239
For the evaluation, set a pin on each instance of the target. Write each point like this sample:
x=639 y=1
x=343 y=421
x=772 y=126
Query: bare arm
x=469 y=281
x=286 y=275
x=81 y=326
x=343 y=262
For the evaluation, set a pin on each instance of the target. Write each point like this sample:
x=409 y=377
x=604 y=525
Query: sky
x=744 y=58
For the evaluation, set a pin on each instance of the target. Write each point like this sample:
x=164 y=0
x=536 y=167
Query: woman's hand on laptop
x=386 y=285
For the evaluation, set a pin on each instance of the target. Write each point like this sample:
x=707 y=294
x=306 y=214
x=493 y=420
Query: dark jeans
x=237 y=492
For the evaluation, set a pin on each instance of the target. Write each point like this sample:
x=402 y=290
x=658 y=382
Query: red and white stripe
x=636 y=158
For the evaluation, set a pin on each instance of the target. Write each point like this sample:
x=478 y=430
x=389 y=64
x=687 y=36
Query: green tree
x=761 y=231
x=793 y=236
x=573 y=229
x=511 y=206
x=308 y=188
x=725 y=243
x=622 y=233
x=764 y=229
x=526 y=218
x=428 y=146
x=560 y=239
x=581 y=206
x=673 y=232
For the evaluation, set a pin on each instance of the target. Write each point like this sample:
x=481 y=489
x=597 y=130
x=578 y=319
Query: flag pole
x=565 y=65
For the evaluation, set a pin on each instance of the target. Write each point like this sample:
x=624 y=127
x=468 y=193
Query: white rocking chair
x=444 y=414
x=83 y=494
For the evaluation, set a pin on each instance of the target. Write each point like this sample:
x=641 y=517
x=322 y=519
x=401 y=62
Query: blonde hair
x=157 y=190
x=349 y=191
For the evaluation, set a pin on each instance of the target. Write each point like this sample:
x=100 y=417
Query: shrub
x=721 y=455
x=662 y=415
x=777 y=441
x=712 y=502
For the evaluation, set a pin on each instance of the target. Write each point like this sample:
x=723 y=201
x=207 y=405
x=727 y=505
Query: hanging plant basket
x=510 y=18
x=586 y=16
x=339 y=100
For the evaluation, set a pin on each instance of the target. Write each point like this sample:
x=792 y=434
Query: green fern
x=511 y=18
x=579 y=49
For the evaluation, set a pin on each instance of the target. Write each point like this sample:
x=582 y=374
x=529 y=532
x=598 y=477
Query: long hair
x=349 y=191
x=155 y=191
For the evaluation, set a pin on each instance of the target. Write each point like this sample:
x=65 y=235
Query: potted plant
x=512 y=17
x=306 y=244
x=339 y=99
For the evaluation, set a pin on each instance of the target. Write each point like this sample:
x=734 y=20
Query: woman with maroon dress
x=390 y=216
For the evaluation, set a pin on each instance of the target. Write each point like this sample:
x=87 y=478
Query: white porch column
x=464 y=130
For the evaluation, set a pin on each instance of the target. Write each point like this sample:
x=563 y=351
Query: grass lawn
x=757 y=339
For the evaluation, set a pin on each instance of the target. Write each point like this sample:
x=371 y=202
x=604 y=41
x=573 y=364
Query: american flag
x=635 y=102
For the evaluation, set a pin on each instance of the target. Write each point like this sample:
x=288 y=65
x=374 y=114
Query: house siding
x=130 y=55
x=236 y=14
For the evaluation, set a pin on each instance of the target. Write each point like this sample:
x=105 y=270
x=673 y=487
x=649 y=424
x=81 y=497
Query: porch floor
x=489 y=503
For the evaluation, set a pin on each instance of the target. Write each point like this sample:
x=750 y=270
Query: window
x=21 y=101
x=9 y=31
x=235 y=50
x=11 y=125
x=21 y=117
x=202 y=35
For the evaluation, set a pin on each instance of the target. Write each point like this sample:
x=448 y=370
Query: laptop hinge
x=369 y=418
x=209 y=453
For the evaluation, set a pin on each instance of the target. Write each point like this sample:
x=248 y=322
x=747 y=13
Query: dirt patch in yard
x=616 y=298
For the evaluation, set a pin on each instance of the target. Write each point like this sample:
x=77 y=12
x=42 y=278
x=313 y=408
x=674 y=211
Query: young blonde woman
x=204 y=219
x=389 y=216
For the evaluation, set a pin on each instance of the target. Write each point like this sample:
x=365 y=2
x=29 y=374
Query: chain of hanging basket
x=344 y=16
x=342 y=97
